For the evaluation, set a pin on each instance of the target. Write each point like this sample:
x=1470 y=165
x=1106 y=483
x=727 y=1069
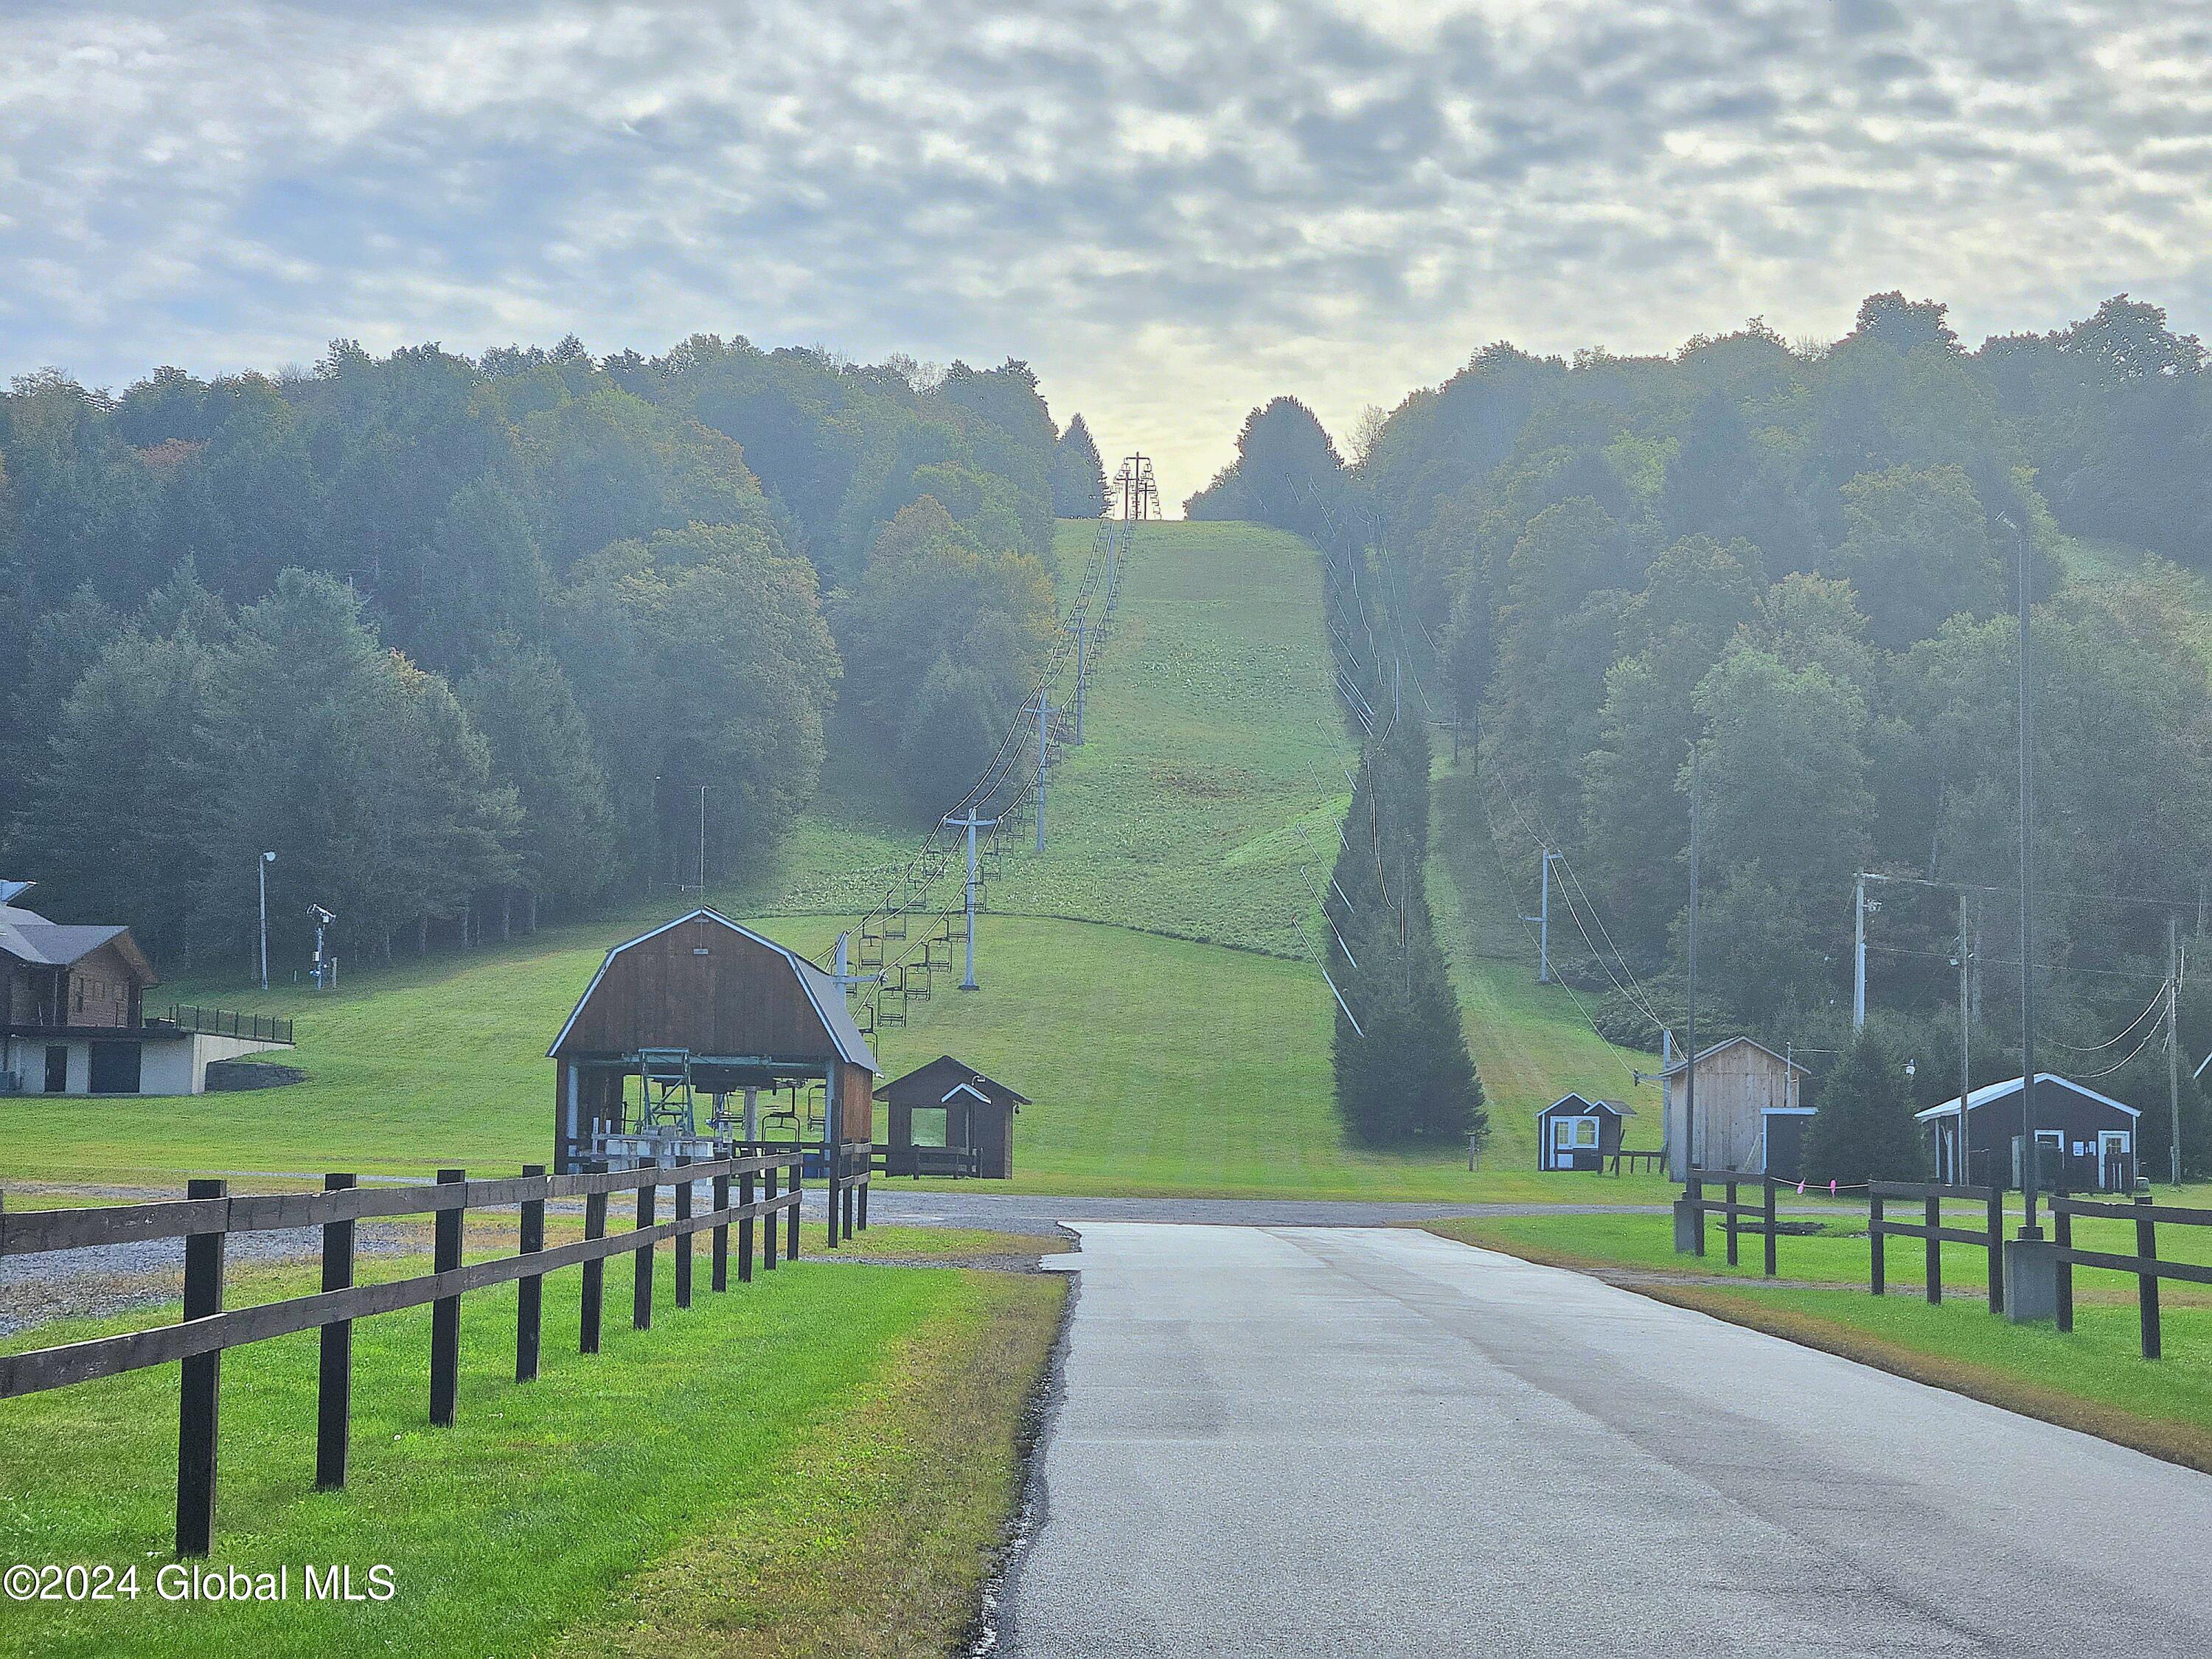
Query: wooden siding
x=740 y=997
x=1735 y=1086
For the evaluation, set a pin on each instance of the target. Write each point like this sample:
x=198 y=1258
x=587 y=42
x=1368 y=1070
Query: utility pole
x=703 y=843
x=1690 y=1035
x=972 y=823
x=1961 y=1146
x=2031 y=1155
x=2173 y=1040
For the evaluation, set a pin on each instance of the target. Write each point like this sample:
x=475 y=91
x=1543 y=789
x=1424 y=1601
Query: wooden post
x=1874 y=1239
x=2063 y=1227
x=199 y=1405
x=721 y=1280
x=829 y=1210
x=1997 y=1249
x=867 y=1175
x=640 y=1308
x=745 y=1227
x=798 y=1193
x=1768 y=1183
x=2153 y=1344
x=446 y=1312
x=1933 y=1209
x=683 y=1240
x=769 y=1232
x=1730 y=1219
x=334 y=1383
x=595 y=1272
x=1696 y=1193
x=529 y=1293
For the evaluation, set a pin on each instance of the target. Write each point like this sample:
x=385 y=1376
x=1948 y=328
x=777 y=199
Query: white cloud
x=1173 y=209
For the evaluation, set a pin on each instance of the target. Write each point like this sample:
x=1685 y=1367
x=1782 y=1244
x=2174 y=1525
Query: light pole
x=261 y=870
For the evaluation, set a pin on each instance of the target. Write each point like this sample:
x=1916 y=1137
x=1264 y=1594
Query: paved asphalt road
x=891 y=1201
x=1359 y=1442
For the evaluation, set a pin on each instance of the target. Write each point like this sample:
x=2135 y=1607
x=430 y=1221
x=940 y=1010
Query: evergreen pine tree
x=1079 y=476
x=1864 y=1127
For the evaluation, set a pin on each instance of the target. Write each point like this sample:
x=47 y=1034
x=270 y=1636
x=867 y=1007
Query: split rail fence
x=2145 y=1264
x=1989 y=1235
x=208 y=1215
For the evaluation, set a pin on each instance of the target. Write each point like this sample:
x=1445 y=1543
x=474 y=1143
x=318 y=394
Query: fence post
x=595 y=1272
x=202 y=1386
x=868 y=1178
x=683 y=1240
x=2146 y=1282
x=829 y=1175
x=1767 y=1181
x=446 y=1312
x=1730 y=1219
x=1933 y=1211
x=1879 y=1268
x=334 y=1382
x=746 y=1227
x=1997 y=1249
x=1697 y=1196
x=640 y=1308
x=721 y=1280
x=530 y=1292
x=799 y=1203
x=2062 y=1222
x=773 y=1223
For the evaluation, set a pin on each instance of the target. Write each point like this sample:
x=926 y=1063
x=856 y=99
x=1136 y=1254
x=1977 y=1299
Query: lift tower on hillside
x=1138 y=493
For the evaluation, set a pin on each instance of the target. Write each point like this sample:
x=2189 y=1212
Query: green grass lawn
x=530 y=1515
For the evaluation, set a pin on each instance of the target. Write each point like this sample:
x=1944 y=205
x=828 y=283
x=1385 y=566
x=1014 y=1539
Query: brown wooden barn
x=679 y=1022
x=947 y=1118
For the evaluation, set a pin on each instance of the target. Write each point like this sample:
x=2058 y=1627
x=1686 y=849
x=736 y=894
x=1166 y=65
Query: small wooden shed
x=1747 y=1106
x=947 y=1118
x=1575 y=1132
x=2088 y=1139
x=701 y=1009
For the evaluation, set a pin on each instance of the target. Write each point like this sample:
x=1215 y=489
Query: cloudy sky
x=1172 y=210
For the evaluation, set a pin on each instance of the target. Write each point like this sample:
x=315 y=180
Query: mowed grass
x=727 y=1432
x=1155 y=1066
x=1209 y=773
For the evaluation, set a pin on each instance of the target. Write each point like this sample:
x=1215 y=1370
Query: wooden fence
x=1734 y=1215
x=849 y=1166
x=1929 y=1196
x=2144 y=1264
x=208 y=1215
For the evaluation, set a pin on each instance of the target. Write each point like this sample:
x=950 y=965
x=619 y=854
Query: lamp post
x=261 y=870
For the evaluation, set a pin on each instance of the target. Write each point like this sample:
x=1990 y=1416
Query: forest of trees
x=1802 y=559
x=457 y=639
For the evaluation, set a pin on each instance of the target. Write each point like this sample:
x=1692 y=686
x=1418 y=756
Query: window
x=926 y=1125
x=115 y=1069
x=1572 y=1133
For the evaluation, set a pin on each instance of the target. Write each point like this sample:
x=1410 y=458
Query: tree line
x=1801 y=558
x=460 y=638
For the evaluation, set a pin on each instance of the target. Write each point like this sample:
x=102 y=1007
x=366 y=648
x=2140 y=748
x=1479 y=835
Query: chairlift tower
x=1139 y=492
x=970 y=821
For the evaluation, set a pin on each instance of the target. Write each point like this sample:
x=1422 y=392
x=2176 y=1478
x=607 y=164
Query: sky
x=1171 y=212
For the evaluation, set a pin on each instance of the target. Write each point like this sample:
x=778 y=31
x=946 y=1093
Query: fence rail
x=229 y=1021
x=2144 y=1264
x=849 y=1170
x=208 y=1215
x=1930 y=1196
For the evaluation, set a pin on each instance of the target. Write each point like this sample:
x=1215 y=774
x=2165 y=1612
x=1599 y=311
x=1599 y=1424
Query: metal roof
x=1990 y=1093
x=28 y=937
x=822 y=989
x=1620 y=1106
x=1730 y=1043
